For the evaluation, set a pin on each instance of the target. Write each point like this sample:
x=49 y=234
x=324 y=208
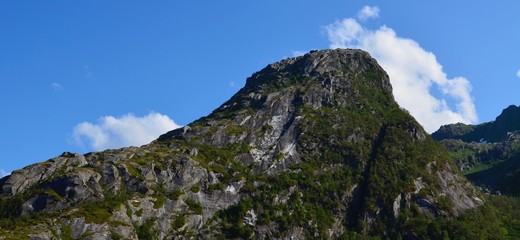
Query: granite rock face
x=312 y=146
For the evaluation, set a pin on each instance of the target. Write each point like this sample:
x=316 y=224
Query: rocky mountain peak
x=285 y=95
x=324 y=63
x=509 y=118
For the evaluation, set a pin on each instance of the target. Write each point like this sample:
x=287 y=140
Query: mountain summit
x=312 y=147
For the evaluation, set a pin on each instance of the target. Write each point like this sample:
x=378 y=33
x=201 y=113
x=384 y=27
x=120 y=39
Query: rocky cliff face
x=312 y=146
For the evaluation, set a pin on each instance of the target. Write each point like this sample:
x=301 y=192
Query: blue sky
x=87 y=75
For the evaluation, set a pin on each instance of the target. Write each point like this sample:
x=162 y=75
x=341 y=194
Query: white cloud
x=127 y=130
x=518 y=74
x=413 y=72
x=344 y=31
x=89 y=75
x=368 y=12
x=3 y=173
x=57 y=87
x=298 y=53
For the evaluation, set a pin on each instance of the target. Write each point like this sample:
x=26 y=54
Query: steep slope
x=488 y=153
x=311 y=147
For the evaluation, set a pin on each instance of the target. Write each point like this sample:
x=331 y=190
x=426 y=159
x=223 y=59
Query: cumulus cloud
x=3 y=173
x=413 y=73
x=368 y=12
x=127 y=130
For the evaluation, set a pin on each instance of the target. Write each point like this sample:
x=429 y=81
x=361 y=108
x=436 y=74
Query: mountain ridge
x=489 y=153
x=494 y=131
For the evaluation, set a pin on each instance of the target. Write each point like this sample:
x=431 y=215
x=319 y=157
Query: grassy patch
x=234 y=129
x=175 y=194
x=215 y=186
x=194 y=206
x=145 y=231
x=195 y=188
x=66 y=232
x=179 y=222
x=99 y=212
x=116 y=236
x=54 y=194
x=159 y=201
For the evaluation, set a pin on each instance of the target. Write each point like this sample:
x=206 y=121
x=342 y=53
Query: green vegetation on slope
x=494 y=166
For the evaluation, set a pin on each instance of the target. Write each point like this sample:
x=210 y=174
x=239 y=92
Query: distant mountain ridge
x=489 y=153
x=495 y=131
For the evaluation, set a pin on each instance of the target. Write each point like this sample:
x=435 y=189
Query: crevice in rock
x=357 y=206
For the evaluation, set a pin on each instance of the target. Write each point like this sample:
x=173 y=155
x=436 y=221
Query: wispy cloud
x=57 y=87
x=89 y=75
x=127 y=130
x=368 y=12
x=413 y=73
x=233 y=84
x=298 y=53
x=4 y=173
x=518 y=73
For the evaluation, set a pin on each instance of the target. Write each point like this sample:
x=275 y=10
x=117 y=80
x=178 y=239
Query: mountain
x=312 y=147
x=507 y=123
x=488 y=153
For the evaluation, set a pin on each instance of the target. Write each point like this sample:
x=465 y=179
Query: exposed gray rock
x=452 y=186
x=27 y=177
x=397 y=206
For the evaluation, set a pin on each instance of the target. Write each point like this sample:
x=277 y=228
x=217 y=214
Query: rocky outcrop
x=25 y=178
x=312 y=146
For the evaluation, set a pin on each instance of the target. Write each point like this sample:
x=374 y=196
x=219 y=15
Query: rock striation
x=312 y=147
